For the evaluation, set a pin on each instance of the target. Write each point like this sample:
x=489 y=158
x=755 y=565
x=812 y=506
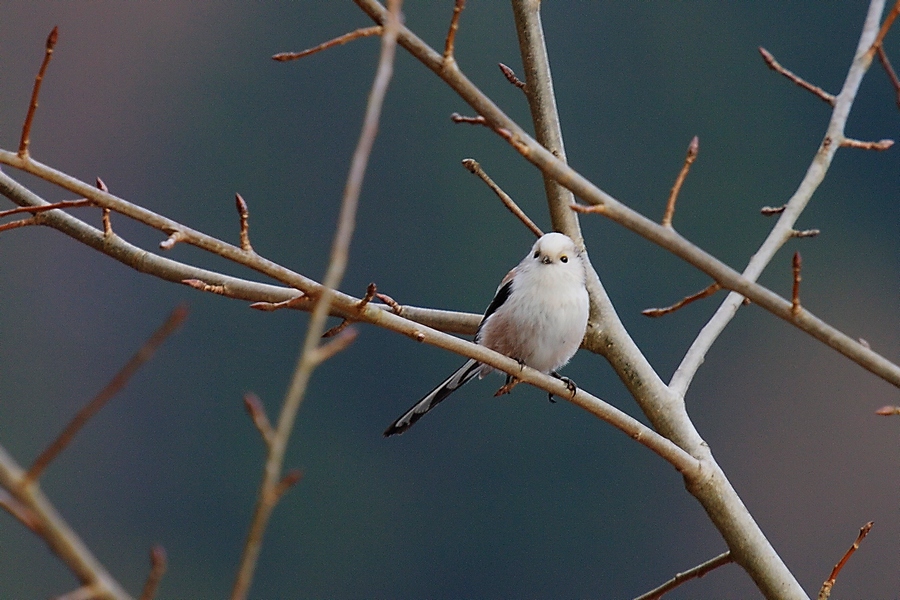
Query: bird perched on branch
x=538 y=317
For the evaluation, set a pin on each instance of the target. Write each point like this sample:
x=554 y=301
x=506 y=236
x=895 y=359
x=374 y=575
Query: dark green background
x=177 y=107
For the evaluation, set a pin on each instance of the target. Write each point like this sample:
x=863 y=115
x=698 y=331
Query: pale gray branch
x=783 y=229
x=610 y=207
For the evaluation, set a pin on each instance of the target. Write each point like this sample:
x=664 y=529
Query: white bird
x=538 y=317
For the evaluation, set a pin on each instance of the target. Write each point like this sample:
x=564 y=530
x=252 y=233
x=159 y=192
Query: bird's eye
x=537 y=253
x=564 y=258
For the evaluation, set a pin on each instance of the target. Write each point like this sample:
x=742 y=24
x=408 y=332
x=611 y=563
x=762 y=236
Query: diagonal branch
x=175 y=319
x=728 y=278
x=273 y=484
x=781 y=232
x=58 y=535
x=693 y=573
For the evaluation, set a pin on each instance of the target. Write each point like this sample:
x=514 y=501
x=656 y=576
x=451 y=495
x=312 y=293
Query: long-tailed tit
x=538 y=317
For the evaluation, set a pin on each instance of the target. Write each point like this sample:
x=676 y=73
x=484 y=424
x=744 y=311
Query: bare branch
x=107 y=223
x=479 y=120
x=472 y=165
x=301 y=301
x=244 y=214
x=886 y=411
x=39 y=209
x=775 y=66
x=173 y=322
x=157 y=570
x=61 y=539
x=744 y=285
x=694 y=573
x=174 y=238
x=693 y=149
x=25 y=141
x=768 y=211
x=257 y=413
x=270 y=488
x=825 y=592
x=339 y=342
x=19 y=223
x=343 y=39
x=290 y=479
x=511 y=77
x=805 y=233
x=885 y=27
x=705 y=292
x=796 y=264
x=21 y=512
x=880 y=145
x=892 y=75
x=451 y=34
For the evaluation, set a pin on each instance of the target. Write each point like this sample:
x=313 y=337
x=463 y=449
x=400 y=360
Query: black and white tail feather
x=463 y=375
x=538 y=316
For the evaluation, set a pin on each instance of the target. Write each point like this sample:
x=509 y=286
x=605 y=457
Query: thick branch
x=727 y=277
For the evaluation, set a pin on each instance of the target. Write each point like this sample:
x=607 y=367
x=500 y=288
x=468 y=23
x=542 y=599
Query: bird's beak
x=546 y=260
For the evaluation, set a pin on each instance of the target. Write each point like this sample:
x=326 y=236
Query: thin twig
x=197 y=284
x=244 y=214
x=693 y=149
x=694 y=573
x=880 y=145
x=35 y=92
x=451 y=33
x=775 y=66
x=472 y=165
x=511 y=77
x=342 y=39
x=805 y=233
x=257 y=413
x=391 y=303
x=825 y=592
x=705 y=292
x=157 y=570
x=885 y=27
x=174 y=238
x=371 y=290
x=175 y=319
x=297 y=302
x=270 y=484
x=21 y=512
x=19 y=223
x=479 y=120
x=886 y=411
x=39 y=209
x=339 y=342
x=290 y=479
x=796 y=265
x=768 y=211
x=107 y=223
x=58 y=535
x=892 y=75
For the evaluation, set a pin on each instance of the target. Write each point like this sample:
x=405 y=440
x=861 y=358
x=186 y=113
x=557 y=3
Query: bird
x=538 y=317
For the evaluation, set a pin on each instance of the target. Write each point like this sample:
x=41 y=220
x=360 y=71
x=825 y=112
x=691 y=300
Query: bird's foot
x=570 y=385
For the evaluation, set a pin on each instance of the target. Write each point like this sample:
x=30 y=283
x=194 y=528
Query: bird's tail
x=450 y=385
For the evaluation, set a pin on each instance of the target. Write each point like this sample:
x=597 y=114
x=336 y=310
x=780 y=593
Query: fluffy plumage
x=538 y=316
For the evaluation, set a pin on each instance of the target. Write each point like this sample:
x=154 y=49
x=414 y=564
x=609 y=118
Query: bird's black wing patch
x=499 y=298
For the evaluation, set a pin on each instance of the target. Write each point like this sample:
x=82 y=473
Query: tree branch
x=549 y=164
x=273 y=484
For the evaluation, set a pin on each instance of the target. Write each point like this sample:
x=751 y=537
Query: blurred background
x=177 y=106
